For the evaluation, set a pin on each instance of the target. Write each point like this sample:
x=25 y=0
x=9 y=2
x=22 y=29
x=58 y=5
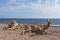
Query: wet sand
x=53 y=34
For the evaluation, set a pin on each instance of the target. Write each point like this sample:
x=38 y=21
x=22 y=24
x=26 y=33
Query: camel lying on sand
x=37 y=29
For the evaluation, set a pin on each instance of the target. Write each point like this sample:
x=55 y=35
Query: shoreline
x=31 y=23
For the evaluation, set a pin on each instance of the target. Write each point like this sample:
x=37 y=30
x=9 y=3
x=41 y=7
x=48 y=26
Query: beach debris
x=45 y=27
x=37 y=29
x=25 y=29
x=33 y=28
x=13 y=25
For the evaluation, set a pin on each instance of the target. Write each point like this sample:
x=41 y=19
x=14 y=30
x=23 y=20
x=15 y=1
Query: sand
x=53 y=34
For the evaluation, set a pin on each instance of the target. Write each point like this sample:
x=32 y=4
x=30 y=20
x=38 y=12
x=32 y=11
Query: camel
x=37 y=29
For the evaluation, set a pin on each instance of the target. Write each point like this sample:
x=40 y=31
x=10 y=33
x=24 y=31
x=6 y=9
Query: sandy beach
x=53 y=34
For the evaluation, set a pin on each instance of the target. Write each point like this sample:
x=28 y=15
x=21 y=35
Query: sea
x=31 y=21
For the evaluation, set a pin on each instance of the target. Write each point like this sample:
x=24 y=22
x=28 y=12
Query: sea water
x=30 y=20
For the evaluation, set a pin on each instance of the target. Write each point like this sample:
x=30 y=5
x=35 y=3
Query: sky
x=29 y=8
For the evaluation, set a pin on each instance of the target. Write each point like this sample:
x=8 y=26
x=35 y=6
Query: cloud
x=13 y=3
x=30 y=8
